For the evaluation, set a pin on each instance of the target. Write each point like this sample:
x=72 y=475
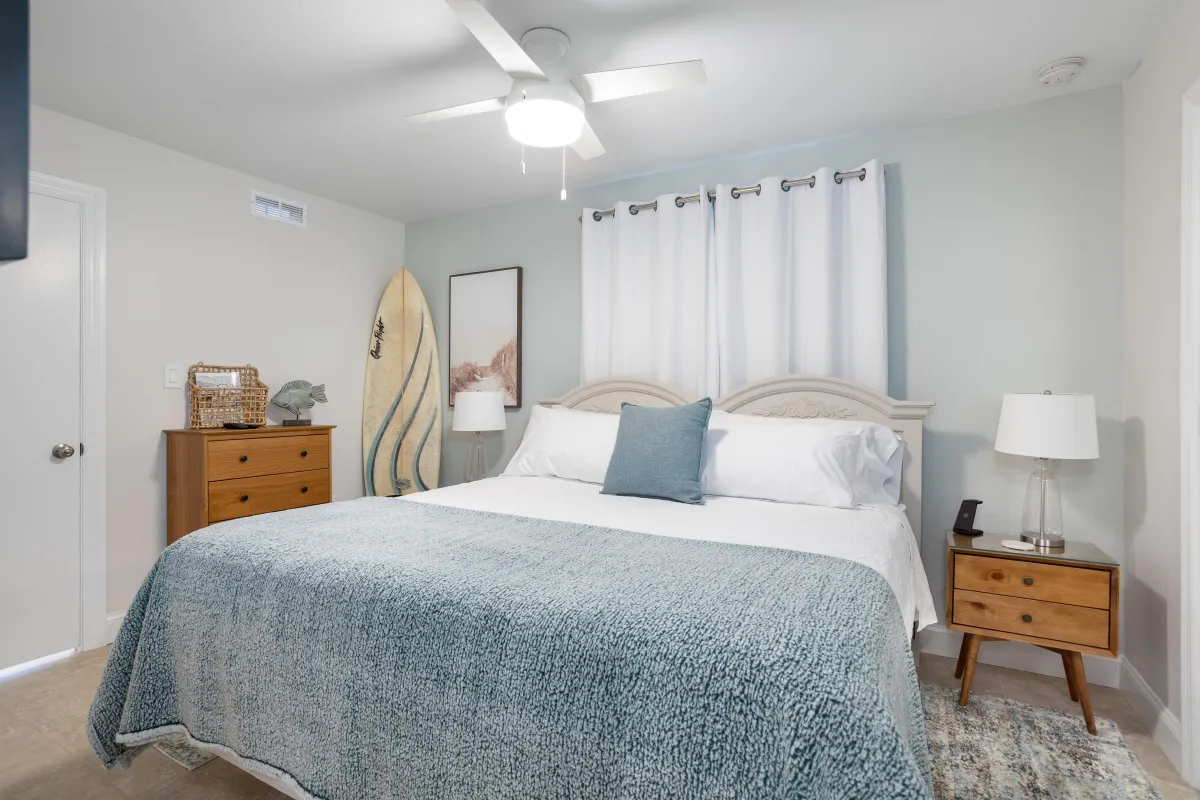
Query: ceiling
x=312 y=94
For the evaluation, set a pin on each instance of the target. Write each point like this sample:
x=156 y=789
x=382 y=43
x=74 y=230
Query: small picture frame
x=217 y=380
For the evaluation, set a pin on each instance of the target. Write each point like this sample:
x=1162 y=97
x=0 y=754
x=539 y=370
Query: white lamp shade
x=1058 y=426
x=479 y=411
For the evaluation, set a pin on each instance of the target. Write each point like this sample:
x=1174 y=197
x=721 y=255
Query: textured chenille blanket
x=386 y=649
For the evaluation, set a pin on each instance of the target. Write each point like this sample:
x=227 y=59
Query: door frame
x=93 y=536
x=1189 y=386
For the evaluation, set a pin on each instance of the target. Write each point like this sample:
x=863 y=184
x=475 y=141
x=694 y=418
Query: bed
x=530 y=637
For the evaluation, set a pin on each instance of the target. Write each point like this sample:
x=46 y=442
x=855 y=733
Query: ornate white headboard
x=796 y=396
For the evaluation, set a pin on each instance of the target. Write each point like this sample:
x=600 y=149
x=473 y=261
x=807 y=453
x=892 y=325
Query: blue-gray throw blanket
x=385 y=649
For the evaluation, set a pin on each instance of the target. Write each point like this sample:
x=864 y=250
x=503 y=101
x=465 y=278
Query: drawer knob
x=303 y=489
x=244 y=459
x=1028 y=581
x=1027 y=617
x=245 y=497
x=303 y=453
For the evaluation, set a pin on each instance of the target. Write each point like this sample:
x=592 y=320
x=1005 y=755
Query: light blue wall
x=1005 y=274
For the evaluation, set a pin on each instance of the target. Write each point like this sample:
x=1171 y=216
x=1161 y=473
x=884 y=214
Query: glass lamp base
x=476 y=461
x=1041 y=521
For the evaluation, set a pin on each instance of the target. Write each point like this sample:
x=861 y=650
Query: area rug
x=996 y=748
x=182 y=753
x=991 y=748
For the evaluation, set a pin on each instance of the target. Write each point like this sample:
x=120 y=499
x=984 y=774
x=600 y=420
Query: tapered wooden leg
x=962 y=656
x=1085 y=697
x=971 y=641
x=1067 y=668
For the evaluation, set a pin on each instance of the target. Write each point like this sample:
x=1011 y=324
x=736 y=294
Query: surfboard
x=402 y=398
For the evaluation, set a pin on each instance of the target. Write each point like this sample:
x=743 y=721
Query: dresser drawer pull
x=245 y=497
x=303 y=453
x=244 y=459
x=1028 y=581
x=1027 y=617
x=303 y=489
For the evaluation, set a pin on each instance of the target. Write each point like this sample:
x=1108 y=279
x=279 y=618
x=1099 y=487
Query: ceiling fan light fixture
x=544 y=122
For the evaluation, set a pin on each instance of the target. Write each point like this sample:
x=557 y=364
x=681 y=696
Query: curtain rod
x=736 y=192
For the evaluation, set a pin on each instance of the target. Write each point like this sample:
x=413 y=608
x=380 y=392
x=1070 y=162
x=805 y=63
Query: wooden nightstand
x=1067 y=601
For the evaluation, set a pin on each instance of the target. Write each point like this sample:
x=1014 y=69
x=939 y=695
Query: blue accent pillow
x=660 y=452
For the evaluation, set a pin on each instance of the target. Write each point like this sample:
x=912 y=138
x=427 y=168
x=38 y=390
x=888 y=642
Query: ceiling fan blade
x=502 y=47
x=482 y=107
x=588 y=145
x=596 y=87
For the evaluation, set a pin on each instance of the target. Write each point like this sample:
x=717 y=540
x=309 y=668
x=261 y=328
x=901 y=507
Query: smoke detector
x=1064 y=70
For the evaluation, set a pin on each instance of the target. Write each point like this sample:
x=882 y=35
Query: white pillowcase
x=565 y=443
x=819 y=462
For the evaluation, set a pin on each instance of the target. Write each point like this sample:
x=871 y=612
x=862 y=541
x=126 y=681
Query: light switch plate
x=172 y=376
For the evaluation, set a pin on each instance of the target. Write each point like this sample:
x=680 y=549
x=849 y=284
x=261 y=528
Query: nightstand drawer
x=243 y=497
x=1054 y=621
x=240 y=458
x=1076 y=586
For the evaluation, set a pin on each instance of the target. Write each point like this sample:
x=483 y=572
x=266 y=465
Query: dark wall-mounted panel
x=14 y=128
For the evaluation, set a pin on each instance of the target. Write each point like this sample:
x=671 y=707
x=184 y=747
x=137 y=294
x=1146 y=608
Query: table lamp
x=478 y=412
x=1047 y=427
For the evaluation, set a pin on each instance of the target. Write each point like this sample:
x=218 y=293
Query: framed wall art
x=485 y=333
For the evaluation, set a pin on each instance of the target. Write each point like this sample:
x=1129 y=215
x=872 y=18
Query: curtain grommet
x=734 y=193
x=679 y=201
x=783 y=184
x=837 y=178
x=632 y=211
x=596 y=216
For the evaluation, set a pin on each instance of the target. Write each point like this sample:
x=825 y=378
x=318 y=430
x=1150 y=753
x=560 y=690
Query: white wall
x=193 y=277
x=1004 y=247
x=1153 y=167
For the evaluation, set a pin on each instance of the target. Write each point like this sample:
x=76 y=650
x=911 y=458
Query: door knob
x=62 y=451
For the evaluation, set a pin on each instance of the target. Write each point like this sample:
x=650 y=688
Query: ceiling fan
x=545 y=107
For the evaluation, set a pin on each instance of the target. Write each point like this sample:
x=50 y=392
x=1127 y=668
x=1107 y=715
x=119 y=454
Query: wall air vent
x=271 y=207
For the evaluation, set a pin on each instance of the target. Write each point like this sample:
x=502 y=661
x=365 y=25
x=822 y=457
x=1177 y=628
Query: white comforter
x=876 y=536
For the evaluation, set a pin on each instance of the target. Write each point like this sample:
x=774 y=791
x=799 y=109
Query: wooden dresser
x=217 y=474
x=1067 y=601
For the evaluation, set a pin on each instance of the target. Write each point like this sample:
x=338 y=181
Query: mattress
x=876 y=536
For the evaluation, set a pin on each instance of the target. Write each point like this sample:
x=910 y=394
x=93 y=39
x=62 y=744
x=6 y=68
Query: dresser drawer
x=1077 y=586
x=243 y=457
x=1056 y=621
x=241 y=497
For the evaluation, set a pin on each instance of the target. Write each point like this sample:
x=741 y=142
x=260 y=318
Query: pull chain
x=523 y=98
x=563 y=195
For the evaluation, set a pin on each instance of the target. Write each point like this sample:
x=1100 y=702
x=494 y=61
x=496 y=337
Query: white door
x=39 y=409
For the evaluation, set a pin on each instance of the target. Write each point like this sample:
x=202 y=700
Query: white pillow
x=819 y=462
x=885 y=451
x=565 y=443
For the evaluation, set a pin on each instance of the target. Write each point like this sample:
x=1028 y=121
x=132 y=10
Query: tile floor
x=44 y=753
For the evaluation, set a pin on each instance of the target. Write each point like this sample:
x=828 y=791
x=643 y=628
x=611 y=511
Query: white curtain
x=709 y=297
x=648 y=296
x=801 y=280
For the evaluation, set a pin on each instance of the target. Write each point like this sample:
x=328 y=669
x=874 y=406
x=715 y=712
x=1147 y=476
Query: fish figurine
x=298 y=396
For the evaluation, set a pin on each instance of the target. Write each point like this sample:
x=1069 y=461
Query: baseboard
x=1164 y=725
x=112 y=624
x=939 y=641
